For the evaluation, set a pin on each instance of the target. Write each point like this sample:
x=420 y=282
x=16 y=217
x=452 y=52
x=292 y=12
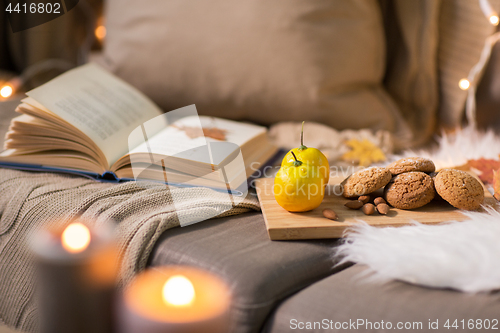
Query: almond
x=364 y=199
x=354 y=204
x=368 y=209
x=383 y=208
x=330 y=214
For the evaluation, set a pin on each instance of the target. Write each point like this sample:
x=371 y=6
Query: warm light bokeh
x=464 y=84
x=145 y=295
x=6 y=91
x=75 y=238
x=494 y=19
x=100 y=32
x=178 y=291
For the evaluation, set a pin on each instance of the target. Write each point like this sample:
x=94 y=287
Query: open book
x=89 y=122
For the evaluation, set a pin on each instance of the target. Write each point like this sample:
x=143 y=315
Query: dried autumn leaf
x=484 y=168
x=209 y=132
x=364 y=152
x=215 y=133
x=496 y=184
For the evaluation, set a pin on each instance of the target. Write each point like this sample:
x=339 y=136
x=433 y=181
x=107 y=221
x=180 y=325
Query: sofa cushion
x=260 y=272
x=488 y=93
x=345 y=298
x=411 y=75
x=263 y=61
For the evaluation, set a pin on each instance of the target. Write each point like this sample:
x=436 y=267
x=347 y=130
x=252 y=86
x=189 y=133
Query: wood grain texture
x=283 y=225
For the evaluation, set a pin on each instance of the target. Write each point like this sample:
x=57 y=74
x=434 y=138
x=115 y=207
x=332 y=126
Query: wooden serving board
x=284 y=225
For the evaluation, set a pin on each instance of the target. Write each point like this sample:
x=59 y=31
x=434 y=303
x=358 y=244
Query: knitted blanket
x=30 y=201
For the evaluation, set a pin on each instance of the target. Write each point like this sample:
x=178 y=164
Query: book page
x=102 y=106
x=184 y=139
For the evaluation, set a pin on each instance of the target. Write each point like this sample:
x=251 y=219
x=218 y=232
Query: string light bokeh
x=94 y=40
x=471 y=81
x=6 y=91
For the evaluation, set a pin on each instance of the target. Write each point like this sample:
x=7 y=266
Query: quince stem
x=297 y=162
x=302 y=147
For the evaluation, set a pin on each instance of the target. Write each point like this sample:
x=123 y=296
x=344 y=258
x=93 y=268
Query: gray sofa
x=285 y=286
x=278 y=285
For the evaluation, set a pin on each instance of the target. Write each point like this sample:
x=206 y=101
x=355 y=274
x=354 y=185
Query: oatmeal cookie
x=410 y=190
x=365 y=181
x=459 y=188
x=411 y=164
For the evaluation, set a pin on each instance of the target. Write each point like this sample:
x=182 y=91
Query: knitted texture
x=31 y=201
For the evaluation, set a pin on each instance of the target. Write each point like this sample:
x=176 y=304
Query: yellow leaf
x=363 y=152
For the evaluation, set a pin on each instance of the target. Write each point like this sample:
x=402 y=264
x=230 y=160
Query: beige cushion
x=259 y=60
x=411 y=74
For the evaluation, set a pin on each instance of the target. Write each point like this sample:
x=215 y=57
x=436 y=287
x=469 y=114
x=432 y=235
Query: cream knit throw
x=30 y=201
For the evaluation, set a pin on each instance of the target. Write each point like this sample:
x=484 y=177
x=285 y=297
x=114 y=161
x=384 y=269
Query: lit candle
x=76 y=276
x=175 y=300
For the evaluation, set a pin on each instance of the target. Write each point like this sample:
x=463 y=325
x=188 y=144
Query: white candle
x=175 y=300
x=76 y=270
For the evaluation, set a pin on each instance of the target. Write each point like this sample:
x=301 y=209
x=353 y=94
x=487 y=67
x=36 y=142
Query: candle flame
x=6 y=91
x=178 y=291
x=75 y=238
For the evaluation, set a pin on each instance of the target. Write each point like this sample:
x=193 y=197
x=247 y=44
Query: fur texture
x=459 y=255
x=456 y=148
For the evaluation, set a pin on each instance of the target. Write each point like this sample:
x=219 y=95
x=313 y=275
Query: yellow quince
x=300 y=183
x=311 y=156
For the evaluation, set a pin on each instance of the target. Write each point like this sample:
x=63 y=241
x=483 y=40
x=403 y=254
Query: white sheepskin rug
x=457 y=148
x=460 y=255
